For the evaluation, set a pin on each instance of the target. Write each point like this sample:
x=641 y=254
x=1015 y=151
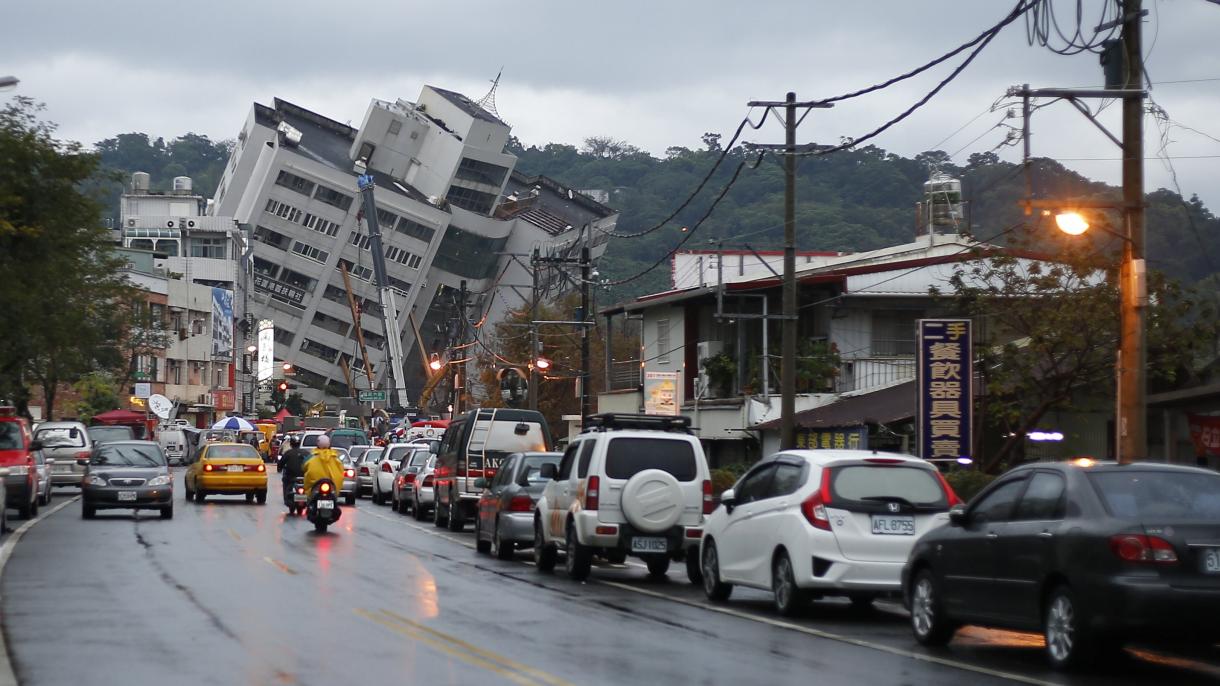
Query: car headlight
x=162 y=480
x=19 y=470
x=94 y=480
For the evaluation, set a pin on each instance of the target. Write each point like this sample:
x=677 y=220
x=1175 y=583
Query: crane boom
x=389 y=309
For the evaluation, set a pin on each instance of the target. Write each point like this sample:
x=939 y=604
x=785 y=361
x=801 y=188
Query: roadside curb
x=7 y=676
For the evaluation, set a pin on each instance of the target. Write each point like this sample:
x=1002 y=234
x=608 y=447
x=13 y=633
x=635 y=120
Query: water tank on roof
x=942 y=204
x=140 y=181
x=182 y=185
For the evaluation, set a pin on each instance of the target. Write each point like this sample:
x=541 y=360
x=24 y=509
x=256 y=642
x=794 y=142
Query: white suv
x=628 y=485
x=807 y=523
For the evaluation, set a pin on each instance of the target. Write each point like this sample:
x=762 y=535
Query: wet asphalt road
x=237 y=593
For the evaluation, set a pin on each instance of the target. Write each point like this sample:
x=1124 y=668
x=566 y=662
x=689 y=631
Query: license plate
x=63 y=467
x=326 y=504
x=298 y=498
x=125 y=496
x=236 y=468
x=893 y=526
x=649 y=544
x=1211 y=560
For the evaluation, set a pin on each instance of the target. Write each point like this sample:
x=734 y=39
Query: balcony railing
x=860 y=373
x=624 y=376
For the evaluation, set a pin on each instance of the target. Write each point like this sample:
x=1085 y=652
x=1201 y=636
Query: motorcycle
x=295 y=498
x=323 y=506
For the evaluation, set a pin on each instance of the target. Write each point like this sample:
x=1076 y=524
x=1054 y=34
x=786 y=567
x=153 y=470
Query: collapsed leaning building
x=450 y=206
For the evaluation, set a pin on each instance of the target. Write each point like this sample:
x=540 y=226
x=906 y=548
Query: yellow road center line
x=444 y=646
x=481 y=652
x=282 y=567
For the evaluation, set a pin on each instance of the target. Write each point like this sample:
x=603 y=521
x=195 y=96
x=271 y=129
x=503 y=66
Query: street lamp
x=1132 y=411
x=435 y=363
x=542 y=364
x=251 y=349
x=9 y=81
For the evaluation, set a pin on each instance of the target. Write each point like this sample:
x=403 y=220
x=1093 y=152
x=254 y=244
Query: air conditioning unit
x=131 y=222
x=704 y=350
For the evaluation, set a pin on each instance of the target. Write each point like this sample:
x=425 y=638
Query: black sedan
x=127 y=475
x=1090 y=554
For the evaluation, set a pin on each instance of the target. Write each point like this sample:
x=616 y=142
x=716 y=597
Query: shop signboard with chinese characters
x=945 y=381
x=266 y=350
x=853 y=438
x=661 y=393
x=222 y=324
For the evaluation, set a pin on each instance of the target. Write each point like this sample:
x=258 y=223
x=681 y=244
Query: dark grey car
x=506 y=507
x=127 y=475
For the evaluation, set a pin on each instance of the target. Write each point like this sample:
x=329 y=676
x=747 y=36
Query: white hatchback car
x=386 y=468
x=809 y=523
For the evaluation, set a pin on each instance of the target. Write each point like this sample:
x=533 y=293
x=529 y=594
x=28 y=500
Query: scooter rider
x=292 y=467
x=323 y=464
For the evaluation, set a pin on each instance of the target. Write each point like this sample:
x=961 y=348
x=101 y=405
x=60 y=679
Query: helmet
x=295 y=440
x=324 y=441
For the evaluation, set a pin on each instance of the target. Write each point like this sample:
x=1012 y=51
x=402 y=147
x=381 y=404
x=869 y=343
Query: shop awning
x=883 y=406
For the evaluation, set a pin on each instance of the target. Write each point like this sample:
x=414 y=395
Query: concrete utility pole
x=1133 y=356
x=459 y=368
x=787 y=381
x=584 y=330
x=533 y=387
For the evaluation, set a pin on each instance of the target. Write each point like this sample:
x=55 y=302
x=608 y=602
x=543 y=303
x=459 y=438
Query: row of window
x=481 y=172
x=467 y=199
x=357 y=271
x=415 y=230
x=271 y=237
x=309 y=251
x=283 y=210
x=403 y=257
x=332 y=197
x=319 y=350
x=322 y=226
x=293 y=182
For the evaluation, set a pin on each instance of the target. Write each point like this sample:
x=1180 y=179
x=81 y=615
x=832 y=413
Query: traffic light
x=287 y=367
x=283 y=387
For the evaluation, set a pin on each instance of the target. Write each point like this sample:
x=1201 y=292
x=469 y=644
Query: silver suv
x=633 y=485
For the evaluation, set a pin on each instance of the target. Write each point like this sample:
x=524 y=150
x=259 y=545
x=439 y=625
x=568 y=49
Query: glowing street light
x=542 y=364
x=251 y=349
x=1071 y=223
x=435 y=363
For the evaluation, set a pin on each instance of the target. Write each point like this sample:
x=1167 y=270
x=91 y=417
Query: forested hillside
x=854 y=200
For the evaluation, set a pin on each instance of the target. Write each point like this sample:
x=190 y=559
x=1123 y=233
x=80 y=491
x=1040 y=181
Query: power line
x=723 y=154
x=1042 y=28
x=694 y=227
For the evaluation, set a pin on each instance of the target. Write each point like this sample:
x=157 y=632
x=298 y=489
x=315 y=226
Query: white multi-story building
x=199 y=252
x=450 y=207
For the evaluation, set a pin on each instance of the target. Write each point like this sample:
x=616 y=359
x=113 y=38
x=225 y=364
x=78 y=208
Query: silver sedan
x=506 y=506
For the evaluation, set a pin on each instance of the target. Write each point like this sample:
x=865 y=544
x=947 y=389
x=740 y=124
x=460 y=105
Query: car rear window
x=10 y=436
x=111 y=433
x=222 y=452
x=111 y=455
x=873 y=483
x=419 y=457
x=626 y=457
x=64 y=437
x=1151 y=495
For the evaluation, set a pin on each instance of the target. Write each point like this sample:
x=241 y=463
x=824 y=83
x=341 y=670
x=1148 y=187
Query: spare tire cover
x=652 y=500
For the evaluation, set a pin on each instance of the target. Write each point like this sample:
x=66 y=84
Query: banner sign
x=222 y=324
x=224 y=399
x=661 y=393
x=266 y=349
x=269 y=285
x=1205 y=434
x=945 y=373
x=855 y=438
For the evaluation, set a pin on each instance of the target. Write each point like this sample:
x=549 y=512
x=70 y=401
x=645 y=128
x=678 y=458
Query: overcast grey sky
x=656 y=73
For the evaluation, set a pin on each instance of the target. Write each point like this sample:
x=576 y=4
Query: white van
x=173 y=442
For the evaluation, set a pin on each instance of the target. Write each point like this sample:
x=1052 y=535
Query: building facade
x=451 y=209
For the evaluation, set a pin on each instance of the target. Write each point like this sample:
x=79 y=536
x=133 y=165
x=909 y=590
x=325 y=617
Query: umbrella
x=234 y=424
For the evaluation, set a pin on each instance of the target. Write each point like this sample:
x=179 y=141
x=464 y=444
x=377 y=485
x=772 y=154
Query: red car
x=17 y=448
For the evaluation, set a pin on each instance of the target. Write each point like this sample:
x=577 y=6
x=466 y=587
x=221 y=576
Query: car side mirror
x=35 y=444
x=480 y=483
x=549 y=472
x=958 y=516
x=729 y=500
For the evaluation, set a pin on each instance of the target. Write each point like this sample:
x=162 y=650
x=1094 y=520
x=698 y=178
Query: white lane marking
x=772 y=622
x=833 y=636
x=7 y=676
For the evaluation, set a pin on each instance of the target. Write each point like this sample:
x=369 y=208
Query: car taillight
x=207 y=467
x=949 y=494
x=592 y=493
x=1141 y=548
x=428 y=480
x=364 y=471
x=349 y=473
x=814 y=507
x=325 y=488
x=385 y=467
x=709 y=503
x=83 y=455
x=261 y=468
x=410 y=478
x=522 y=503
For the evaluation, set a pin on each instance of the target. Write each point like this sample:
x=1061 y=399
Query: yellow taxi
x=227 y=469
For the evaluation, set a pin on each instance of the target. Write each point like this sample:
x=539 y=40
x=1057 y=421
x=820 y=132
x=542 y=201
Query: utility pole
x=1133 y=357
x=584 y=330
x=787 y=383
x=459 y=369
x=533 y=387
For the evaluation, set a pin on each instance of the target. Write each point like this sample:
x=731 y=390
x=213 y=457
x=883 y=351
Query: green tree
x=98 y=393
x=296 y=404
x=1052 y=332
x=58 y=278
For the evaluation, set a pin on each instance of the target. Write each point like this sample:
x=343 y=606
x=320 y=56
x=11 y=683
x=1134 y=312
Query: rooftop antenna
x=488 y=102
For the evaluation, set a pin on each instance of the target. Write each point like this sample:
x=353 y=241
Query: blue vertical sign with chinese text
x=946 y=394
